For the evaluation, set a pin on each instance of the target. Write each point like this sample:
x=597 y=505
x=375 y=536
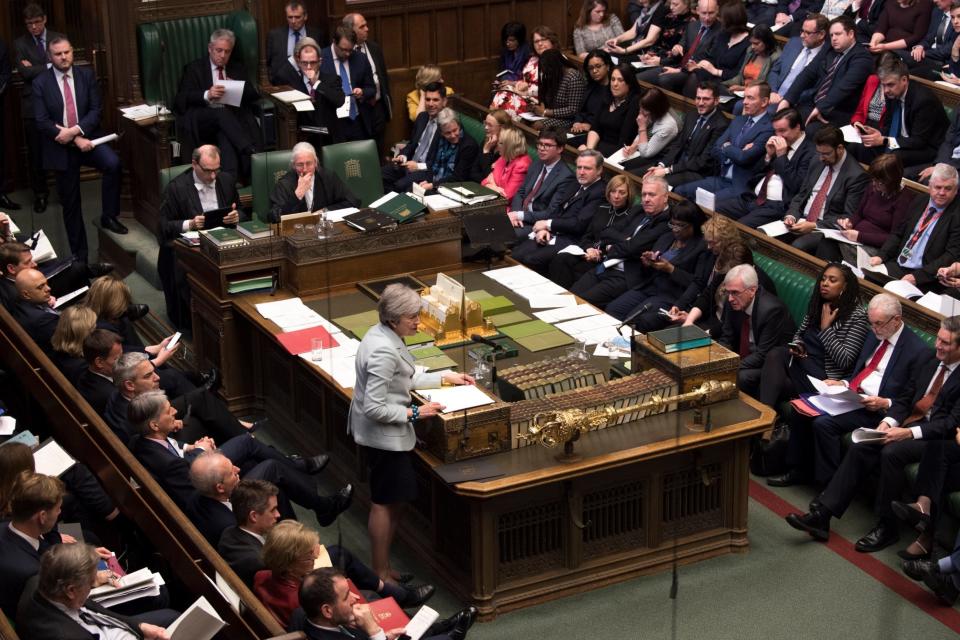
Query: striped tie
x=827 y=80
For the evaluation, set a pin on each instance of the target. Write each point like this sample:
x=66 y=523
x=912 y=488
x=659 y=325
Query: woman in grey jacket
x=382 y=415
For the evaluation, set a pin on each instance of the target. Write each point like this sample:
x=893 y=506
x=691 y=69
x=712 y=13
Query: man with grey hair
x=929 y=237
x=202 y=116
x=888 y=362
x=754 y=321
x=455 y=157
x=60 y=608
x=554 y=230
x=201 y=188
x=373 y=52
x=308 y=187
x=927 y=409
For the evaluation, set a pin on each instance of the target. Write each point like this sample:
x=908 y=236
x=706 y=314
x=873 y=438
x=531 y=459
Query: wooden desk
x=642 y=496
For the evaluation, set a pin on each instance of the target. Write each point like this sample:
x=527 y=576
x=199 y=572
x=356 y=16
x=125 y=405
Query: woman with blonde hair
x=74 y=326
x=427 y=74
x=495 y=121
x=289 y=552
x=509 y=171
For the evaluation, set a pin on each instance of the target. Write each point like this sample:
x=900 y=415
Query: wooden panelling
x=475 y=45
x=419 y=47
x=448 y=36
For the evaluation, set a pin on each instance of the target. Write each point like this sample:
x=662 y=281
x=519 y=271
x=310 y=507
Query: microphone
x=487 y=341
x=633 y=315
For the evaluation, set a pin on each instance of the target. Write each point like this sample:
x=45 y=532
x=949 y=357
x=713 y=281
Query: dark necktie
x=929 y=217
x=697 y=126
x=926 y=402
x=864 y=9
x=296 y=39
x=895 y=119
x=744 y=131
x=220 y=75
x=536 y=188
x=693 y=47
x=172 y=449
x=42 y=50
x=828 y=80
x=942 y=30
x=816 y=207
x=762 y=196
x=745 y=336
x=870 y=368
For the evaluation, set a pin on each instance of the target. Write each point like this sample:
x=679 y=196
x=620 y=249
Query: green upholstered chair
x=265 y=170
x=473 y=128
x=168 y=174
x=793 y=287
x=358 y=165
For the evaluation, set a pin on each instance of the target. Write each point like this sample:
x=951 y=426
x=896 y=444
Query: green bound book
x=255 y=229
x=674 y=339
x=223 y=237
x=494 y=305
x=467 y=192
x=508 y=318
x=402 y=208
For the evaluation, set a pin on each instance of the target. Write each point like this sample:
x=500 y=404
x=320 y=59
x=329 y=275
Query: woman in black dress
x=616 y=124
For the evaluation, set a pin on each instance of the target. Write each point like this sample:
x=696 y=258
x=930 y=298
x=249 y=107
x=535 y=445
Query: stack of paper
x=456 y=398
x=567 y=313
x=834 y=399
x=143 y=111
x=139 y=584
x=339 y=362
x=292 y=315
x=591 y=329
x=200 y=622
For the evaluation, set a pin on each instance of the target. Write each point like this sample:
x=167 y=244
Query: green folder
x=359 y=323
x=418 y=338
x=543 y=341
x=420 y=353
x=508 y=318
x=438 y=362
x=479 y=294
x=402 y=208
x=494 y=305
x=524 y=329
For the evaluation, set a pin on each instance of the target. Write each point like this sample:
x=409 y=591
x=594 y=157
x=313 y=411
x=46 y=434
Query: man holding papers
x=207 y=112
x=928 y=408
x=308 y=187
x=67 y=108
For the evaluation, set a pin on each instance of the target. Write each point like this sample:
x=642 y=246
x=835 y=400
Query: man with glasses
x=201 y=188
x=308 y=186
x=282 y=42
x=928 y=408
x=324 y=89
x=355 y=116
x=754 y=321
x=548 y=184
x=799 y=52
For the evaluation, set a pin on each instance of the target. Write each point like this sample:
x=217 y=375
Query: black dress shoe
x=465 y=620
x=919 y=569
x=40 y=204
x=7 y=203
x=210 y=379
x=404 y=578
x=339 y=503
x=114 y=225
x=914 y=517
x=941 y=585
x=880 y=537
x=137 y=311
x=417 y=596
x=97 y=269
x=816 y=523
x=788 y=479
x=312 y=465
x=258 y=424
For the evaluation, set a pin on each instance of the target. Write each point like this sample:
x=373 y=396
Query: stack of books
x=247 y=285
x=673 y=339
x=547 y=378
x=467 y=192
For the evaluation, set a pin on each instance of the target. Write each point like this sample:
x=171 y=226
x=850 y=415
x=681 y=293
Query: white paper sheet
x=774 y=229
x=384 y=198
x=233 y=92
x=942 y=304
x=291 y=96
x=50 y=459
x=573 y=249
x=539 y=289
x=705 y=199
x=552 y=301
x=64 y=299
x=851 y=134
x=458 y=398
x=837 y=235
x=837 y=392
x=199 y=622
x=337 y=214
x=567 y=313
x=867 y=435
x=343 y=111
x=110 y=137
x=421 y=622
x=8 y=424
x=904 y=289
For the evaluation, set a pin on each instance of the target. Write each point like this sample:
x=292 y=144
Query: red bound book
x=389 y=614
x=297 y=342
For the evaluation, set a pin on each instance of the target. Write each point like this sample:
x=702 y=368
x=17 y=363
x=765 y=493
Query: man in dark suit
x=832 y=189
x=568 y=223
x=947 y=153
x=66 y=105
x=324 y=90
x=212 y=471
x=454 y=158
x=65 y=274
x=31 y=60
x=426 y=135
x=671 y=72
x=912 y=125
x=928 y=409
x=282 y=41
x=308 y=186
x=330 y=611
x=101 y=350
x=754 y=321
x=59 y=607
x=202 y=116
x=33 y=309
x=789 y=153
x=929 y=56
x=836 y=75
x=796 y=55
x=929 y=237
x=355 y=120
x=739 y=150
x=548 y=184
x=381 y=104
x=204 y=187
x=618 y=267
x=688 y=157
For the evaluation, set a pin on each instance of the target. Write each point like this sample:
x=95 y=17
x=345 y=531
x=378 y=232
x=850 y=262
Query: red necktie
x=69 y=103
x=923 y=404
x=745 y=336
x=536 y=188
x=762 y=196
x=870 y=368
x=220 y=75
x=817 y=207
x=693 y=47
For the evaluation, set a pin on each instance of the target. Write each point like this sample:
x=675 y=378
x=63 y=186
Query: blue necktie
x=172 y=449
x=895 y=119
x=348 y=90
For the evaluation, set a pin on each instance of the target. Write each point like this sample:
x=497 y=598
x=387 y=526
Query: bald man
x=33 y=309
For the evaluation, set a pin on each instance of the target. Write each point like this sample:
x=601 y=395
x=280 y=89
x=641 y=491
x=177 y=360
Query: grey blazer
x=381 y=395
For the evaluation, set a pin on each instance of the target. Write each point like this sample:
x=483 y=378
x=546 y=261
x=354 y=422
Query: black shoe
x=788 y=479
x=210 y=380
x=137 y=311
x=880 y=537
x=404 y=578
x=40 y=204
x=417 y=596
x=114 y=225
x=816 y=523
x=340 y=503
x=258 y=424
x=941 y=585
x=7 y=203
x=312 y=465
x=97 y=269
x=919 y=569
x=464 y=620
x=914 y=517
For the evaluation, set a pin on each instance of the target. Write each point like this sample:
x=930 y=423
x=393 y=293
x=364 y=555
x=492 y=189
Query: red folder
x=297 y=342
x=388 y=613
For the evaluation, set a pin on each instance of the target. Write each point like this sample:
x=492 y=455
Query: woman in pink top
x=510 y=169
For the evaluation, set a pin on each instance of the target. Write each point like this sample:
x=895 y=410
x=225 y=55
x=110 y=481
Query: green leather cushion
x=168 y=174
x=265 y=170
x=358 y=165
x=793 y=287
